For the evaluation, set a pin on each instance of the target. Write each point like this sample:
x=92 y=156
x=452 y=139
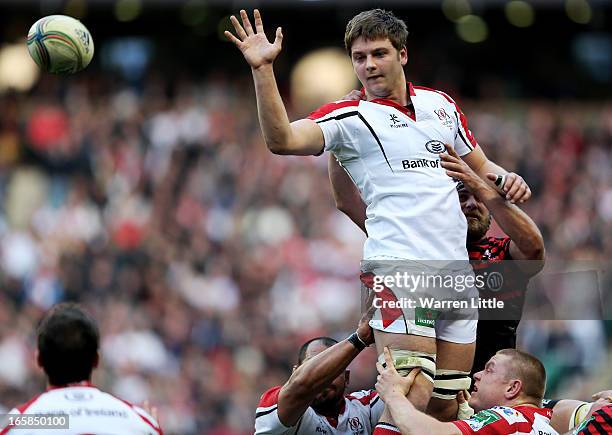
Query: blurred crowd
x=206 y=259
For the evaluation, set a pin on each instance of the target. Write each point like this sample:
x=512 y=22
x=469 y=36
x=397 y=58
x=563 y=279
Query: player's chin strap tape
x=579 y=415
x=449 y=382
x=406 y=360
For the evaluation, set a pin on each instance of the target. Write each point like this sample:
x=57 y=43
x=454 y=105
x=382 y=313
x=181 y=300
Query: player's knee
x=443 y=410
x=447 y=384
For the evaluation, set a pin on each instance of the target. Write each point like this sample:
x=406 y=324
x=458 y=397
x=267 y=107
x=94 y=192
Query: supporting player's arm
x=526 y=240
x=392 y=389
x=515 y=188
x=569 y=414
x=346 y=195
x=310 y=378
x=301 y=137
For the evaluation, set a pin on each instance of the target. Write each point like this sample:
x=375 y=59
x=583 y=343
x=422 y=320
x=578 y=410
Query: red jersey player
x=507 y=399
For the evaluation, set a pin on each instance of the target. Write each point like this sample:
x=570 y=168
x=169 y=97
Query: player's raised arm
x=526 y=240
x=513 y=185
x=315 y=374
x=301 y=137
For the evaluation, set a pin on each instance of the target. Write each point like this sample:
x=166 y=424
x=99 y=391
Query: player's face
x=476 y=213
x=333 y=394
x=379 y=66
x=490 y=384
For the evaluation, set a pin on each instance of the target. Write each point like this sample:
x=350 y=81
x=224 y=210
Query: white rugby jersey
x=90 y=411
x=392 y=156
x=501 y=420
x=362 y=410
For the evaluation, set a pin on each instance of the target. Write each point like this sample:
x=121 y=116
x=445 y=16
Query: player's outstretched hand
x=254 y=44
x=513 y=185
x=389 y=381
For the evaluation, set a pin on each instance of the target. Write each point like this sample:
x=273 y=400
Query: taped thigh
x=406 y=360
x=448 y=383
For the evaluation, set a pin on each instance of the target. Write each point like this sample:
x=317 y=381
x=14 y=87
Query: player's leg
x=453 y=365
x=410 y=351
x=411 y=338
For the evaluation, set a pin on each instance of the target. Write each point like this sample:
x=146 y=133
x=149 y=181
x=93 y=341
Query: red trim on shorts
x=388 y=315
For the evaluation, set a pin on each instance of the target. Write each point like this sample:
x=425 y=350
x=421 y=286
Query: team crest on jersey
x=447 y=121
x=442 y=115
x=355 y=424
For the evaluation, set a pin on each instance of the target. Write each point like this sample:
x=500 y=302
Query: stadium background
x=141 y=187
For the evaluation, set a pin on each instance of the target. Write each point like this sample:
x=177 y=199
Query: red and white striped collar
x=386 y=102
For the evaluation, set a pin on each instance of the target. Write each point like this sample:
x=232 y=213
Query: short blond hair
x=529 y=370
x=376 y=24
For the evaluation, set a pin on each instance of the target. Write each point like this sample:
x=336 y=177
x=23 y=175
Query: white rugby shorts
x=434 y=299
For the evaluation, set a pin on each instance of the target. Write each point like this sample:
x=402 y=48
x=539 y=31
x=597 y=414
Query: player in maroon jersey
x=599 y=423
x=523 y=245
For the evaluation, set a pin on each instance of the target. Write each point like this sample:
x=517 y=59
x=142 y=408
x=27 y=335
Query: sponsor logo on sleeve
x=482 y=419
